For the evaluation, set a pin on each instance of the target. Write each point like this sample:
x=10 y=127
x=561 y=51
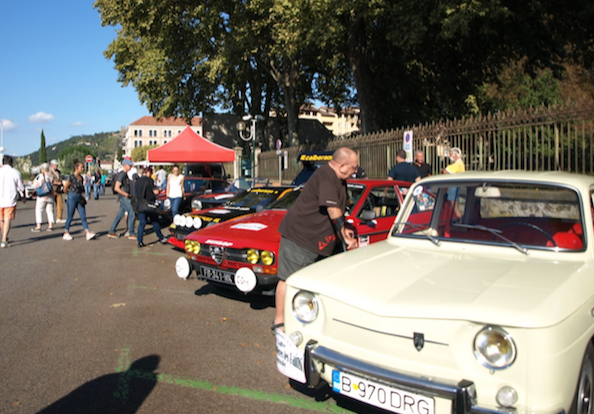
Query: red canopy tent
x=190 y=147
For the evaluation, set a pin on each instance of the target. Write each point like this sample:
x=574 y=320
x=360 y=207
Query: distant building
x=340 y=123
x=149 y=130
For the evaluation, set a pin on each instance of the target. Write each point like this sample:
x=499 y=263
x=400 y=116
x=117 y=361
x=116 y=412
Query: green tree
x=75 y=152
x=139 y=153
x=42 y=149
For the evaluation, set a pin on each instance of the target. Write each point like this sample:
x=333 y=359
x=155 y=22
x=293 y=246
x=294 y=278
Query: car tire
x=584 y=393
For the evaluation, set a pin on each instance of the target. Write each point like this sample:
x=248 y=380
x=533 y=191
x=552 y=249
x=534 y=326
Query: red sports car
x=243 y=253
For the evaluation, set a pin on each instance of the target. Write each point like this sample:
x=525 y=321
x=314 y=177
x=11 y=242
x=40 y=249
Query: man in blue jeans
x=122 y=188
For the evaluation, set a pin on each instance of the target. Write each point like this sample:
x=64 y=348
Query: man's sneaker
x=163 y=240
x=67 y=236
x=112 y=236
x=91 y=235
x=60 y=221
x=35 y=230
x=132 y=237
x=126 y=234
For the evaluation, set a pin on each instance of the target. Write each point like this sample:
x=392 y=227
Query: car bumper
x=462 y=394
x=179 y=244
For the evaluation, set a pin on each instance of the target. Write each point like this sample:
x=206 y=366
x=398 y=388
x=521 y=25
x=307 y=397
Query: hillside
x=103 y=144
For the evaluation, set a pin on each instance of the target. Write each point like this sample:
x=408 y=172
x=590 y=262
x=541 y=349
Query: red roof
x=171 y=121
x=190 y=147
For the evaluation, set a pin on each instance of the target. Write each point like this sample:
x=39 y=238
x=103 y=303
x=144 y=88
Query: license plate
x=382 y=396
x=217 y=275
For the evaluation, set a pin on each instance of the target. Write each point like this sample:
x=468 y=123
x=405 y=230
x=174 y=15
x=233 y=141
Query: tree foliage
x=139 y=153
x=67 y=157
x=402 y=62
x=42 y=149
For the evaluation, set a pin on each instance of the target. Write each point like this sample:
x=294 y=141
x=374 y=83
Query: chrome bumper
x=461 y=393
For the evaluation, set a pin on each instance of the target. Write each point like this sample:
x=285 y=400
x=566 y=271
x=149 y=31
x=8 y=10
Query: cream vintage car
x=480 y=301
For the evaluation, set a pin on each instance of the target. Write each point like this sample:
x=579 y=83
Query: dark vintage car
x=193 y=186
x=243 y=253
x=248 y=202
x=238 y=186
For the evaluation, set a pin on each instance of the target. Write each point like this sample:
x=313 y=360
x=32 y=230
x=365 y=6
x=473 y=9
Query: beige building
x=344 y=123
x=149 y=130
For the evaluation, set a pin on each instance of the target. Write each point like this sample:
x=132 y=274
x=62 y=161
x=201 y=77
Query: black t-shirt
x=307 y=223
x=423 y=169
x=144 y=189
x=403 y=171
x=124 y=181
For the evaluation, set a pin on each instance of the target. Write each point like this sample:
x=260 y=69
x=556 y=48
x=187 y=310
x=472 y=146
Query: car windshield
x=354 y=191
x=286 y=201
x=256 y=197
x=523 y=216
x=240 y=184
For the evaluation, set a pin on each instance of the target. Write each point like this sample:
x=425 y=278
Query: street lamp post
x=242 y=127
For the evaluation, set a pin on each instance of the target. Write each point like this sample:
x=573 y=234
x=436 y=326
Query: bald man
x=315 y=223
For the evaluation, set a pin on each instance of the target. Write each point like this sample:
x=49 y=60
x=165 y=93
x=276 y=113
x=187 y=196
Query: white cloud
x=77 y=124
x=8 y=125
x=41 y=118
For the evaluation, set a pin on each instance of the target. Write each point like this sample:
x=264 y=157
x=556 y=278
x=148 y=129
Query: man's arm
x=118 y=189
x=348 y=235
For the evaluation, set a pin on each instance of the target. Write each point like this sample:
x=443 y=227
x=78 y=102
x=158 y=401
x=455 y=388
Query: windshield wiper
x=494 y=232
x=421 y=229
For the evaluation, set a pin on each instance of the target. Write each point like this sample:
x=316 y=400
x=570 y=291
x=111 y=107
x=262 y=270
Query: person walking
x=96 y=183
x=58 y=190
x=175 y=190
x=11 y=187
x=74 y=188
x=145 y=196
x=88 y=183
x=315 y=223
x=44 y=180
x=102 y=186
x=161 y=178
x=123 y=190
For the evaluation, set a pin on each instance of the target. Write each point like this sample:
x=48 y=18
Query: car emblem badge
x=217 y=253
x=419 y=340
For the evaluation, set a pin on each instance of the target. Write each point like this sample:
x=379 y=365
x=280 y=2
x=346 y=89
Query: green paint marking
x=143 y=287
x=197 y=384
x=137 y=251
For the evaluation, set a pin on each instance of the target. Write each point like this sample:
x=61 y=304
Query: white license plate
x=217 y=275
x=382 y=396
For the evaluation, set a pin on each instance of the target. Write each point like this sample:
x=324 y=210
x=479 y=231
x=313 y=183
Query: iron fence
x=543 y=139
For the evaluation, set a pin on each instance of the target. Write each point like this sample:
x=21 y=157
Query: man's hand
x=349 y=238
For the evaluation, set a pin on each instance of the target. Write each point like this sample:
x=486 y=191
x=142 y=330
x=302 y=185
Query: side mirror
x=368 y=215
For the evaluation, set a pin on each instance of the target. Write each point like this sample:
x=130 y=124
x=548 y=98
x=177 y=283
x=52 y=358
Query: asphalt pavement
x=102 y=326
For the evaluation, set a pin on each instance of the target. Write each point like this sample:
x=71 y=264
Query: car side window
x=384 y=201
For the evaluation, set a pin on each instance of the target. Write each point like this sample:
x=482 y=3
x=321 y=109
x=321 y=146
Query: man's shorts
x=7 y=213
x=292 y=257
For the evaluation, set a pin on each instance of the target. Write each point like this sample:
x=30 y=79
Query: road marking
x=124 y=363
x=137 y=251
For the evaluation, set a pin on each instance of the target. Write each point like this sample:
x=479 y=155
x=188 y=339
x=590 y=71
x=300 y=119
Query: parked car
x=248 y=202
x=243 y=253
x=238 y=186
x=193 y=186
x=480 y=301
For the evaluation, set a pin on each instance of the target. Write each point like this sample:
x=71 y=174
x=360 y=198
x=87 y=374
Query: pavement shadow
x=256 y=301
x=118 y=393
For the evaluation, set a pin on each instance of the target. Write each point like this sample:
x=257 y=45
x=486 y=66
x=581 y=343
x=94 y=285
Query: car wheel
x=584 y=395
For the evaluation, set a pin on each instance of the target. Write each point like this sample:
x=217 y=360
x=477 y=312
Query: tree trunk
x=362 y=74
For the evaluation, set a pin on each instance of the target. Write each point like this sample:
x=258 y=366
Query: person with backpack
x=122 y=188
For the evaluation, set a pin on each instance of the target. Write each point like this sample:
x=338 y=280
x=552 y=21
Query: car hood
x=391 y=281
x=222 y=213
x=259 y=230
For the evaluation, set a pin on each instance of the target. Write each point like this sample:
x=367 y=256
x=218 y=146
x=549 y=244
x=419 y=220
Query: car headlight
x=178 y=220
x=197 y=222
x=305 y=306
x=192 y=246
x=167 y=204
x=196 y=205
x=253 y=256
x=494 y=348
x=267 y=257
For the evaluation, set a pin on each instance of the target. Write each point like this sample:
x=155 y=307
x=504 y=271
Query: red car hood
x=258 y=230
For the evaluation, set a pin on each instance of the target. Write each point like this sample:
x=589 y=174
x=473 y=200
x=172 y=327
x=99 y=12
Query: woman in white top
x=175 y=190
x=45 y=202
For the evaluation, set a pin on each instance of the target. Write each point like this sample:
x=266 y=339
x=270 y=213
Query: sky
x=54 y=76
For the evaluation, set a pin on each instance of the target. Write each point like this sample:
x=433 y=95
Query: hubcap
x=584 y=397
